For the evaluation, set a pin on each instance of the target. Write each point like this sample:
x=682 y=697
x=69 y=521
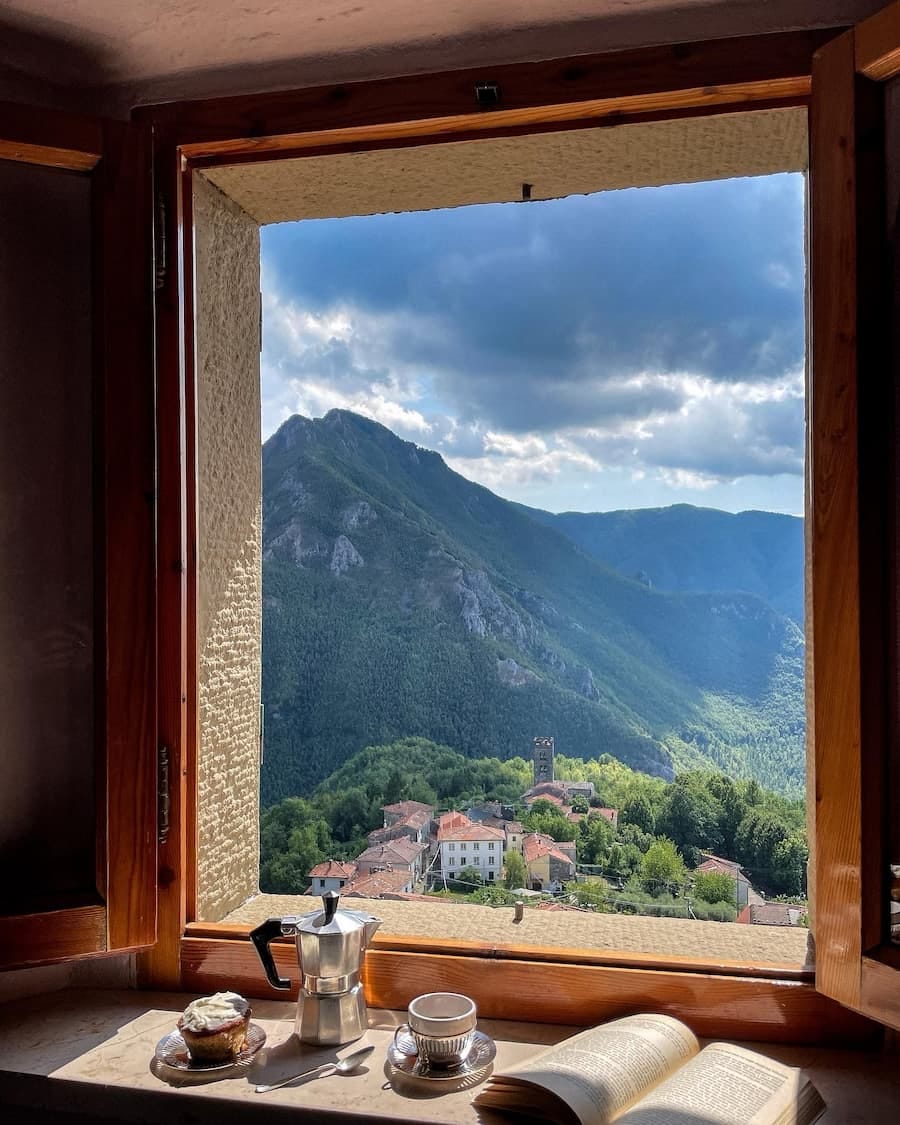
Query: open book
x=649 y=1070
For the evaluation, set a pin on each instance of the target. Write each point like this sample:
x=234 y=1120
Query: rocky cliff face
x=401 y=599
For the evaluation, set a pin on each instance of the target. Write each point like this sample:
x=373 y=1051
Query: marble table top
x=93 y=1052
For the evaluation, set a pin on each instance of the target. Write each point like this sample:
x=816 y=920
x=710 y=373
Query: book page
x=724 y=1085
x=601 y=1072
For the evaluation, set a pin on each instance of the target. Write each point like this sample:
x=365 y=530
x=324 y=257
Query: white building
x=472 y=845
x=332 y=875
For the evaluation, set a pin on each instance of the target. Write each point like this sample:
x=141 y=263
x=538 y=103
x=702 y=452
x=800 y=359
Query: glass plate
x=172 y=1051
x=402 y=1057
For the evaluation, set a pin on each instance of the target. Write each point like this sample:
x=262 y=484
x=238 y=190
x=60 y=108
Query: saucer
x=172 y=1051
x=403 y=1058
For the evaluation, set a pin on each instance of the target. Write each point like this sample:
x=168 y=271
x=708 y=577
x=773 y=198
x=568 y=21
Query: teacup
x=442 y=1025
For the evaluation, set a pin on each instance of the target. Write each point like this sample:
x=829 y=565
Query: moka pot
x=331 y=947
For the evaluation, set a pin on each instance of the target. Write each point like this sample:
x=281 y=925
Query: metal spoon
x=342 y=1066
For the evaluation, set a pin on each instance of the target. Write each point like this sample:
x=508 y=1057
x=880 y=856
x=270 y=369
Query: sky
x=625 y=349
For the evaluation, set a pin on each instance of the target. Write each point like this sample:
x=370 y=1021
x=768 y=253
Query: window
x=451 y=847
x=476 y=847
x=491 y=860
x=490 y=845
x=745 y=72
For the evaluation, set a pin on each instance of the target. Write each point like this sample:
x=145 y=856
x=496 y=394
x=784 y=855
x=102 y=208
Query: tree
x=493 y=895
x=515 y=872
x=580 y=805
x=715 y=886
x=592 y=892
x=638 y=810
x=595 y=838
x=662 y=868
x=467 y=880
x=690 y=815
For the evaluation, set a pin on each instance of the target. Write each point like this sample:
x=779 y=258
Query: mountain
x=400 y=599
x=696 y=549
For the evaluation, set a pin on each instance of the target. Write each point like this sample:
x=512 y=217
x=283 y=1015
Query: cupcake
x=214 y=1028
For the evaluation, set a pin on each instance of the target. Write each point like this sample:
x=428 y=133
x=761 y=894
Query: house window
x=514 y=839
x=491 y=860
x=289 y=549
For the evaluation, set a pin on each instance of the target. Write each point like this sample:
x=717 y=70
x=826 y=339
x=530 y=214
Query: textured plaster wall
x=493 y=170
x=229 y=550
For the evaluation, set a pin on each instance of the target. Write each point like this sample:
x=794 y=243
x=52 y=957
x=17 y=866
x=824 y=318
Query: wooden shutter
x=852 y=474
x=114 y=909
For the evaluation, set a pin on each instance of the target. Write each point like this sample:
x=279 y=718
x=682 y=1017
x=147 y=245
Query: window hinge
x=162 y=794
x=161 y=243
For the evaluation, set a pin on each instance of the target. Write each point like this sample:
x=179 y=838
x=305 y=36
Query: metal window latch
x=161 y=248
x=162 y=794
x=487 y=95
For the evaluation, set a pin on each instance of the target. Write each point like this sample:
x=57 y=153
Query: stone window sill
x=90 y=1053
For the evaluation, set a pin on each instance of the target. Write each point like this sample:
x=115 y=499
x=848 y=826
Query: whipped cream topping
x=211 y=1011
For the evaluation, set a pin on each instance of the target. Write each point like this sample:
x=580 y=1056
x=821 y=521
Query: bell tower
x=542 y=758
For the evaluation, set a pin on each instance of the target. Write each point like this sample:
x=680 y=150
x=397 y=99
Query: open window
x=78 y=624
x=852 y=578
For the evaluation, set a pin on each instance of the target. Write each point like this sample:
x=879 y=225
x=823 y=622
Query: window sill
x=587 y=938
x=553 y=985
x=90 y=1053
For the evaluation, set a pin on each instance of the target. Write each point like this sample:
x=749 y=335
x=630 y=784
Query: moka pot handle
x=261 y=937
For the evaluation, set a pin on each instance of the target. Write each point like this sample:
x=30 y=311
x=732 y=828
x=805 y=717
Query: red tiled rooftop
x=333 y=869
x=471 y=832
x=551 y=797
x=715 y=864
x=406 y=808
x=393 y=851
x=537 y=844
x=377 y=884
x=452 y=819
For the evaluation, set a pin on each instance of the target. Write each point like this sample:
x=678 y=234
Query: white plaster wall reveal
x=493 y=170
x=229 y=601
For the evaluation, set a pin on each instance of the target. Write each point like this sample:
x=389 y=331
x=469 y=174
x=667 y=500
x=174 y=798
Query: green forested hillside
x=403 y=600
x=696 y=549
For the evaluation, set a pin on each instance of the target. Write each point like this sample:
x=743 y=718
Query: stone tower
x=542 y=757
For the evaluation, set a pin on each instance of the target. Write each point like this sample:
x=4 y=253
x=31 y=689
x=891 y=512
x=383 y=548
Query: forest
x=643 y=865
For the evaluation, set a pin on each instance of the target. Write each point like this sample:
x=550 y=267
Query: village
x=422 y=854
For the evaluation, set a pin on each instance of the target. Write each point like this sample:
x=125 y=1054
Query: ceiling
x=134 y=51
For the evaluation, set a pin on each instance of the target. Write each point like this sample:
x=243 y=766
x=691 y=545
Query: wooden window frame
x=119 y=913
x=738 y=999
x=853 y=509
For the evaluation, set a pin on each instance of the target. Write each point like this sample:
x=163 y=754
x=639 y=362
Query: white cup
x=442 y=1025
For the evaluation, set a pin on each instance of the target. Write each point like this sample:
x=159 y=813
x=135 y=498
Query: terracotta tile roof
x=406 y=808
x=415 y=822
x=714 y=864
x=775 y=914
x=612 y=815
x=377 y=884
x=551 y=797
x=544 y=787
x=512 y=826
x=452 y=819
x=471 y=832
x=394 y=851
x=333 y=869
x=536 y=845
